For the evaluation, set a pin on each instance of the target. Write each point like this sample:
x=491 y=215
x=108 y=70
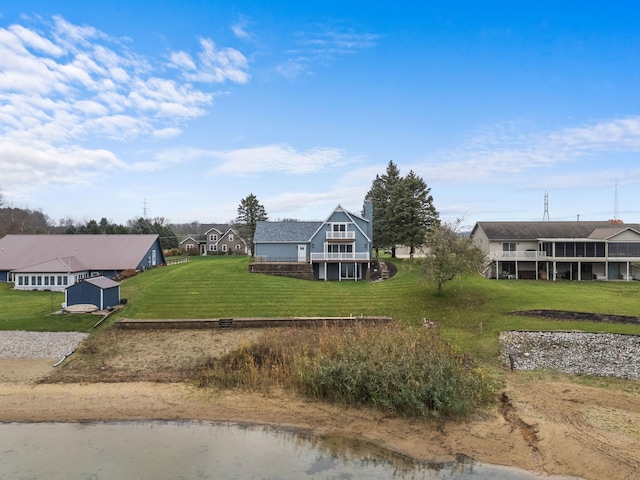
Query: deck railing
x=348 y=235
x=340 y=257
x=519 y=255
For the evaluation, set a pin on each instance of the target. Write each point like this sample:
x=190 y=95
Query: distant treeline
x=23 y=221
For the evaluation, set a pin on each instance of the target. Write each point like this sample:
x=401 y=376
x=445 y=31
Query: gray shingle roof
x=102 y=282
x=267 y=232
x=537 y=230
x=98 y=252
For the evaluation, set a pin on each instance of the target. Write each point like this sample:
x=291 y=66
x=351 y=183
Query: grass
x=470 y=313
x=404 y=371
x=33 y=311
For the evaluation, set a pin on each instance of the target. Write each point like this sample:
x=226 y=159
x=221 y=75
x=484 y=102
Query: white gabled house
x=560 y=250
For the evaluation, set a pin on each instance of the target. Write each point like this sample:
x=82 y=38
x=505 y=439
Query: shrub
x=408 y=372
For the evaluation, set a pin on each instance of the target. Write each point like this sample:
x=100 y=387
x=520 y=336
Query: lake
x=204 y=450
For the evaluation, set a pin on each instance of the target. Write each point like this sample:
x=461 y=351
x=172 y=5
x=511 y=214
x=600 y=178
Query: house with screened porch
x=577 y=250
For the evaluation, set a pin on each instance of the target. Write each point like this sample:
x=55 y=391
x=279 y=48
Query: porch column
x=579 y=272
x=628 y=272
x=555 y=271
x=339 y=271
x=516 y=269
x=497 y=270
x=355 y=270
x=325 y=271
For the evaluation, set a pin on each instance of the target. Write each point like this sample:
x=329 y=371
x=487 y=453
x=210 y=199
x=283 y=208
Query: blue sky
x=186 y=107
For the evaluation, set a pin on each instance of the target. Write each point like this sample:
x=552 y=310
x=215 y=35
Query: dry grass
x=404 y=371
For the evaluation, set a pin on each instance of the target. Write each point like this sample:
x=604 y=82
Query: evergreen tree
x=403 y=210
x=415 y=216
x=383 y=197
x=250 y=212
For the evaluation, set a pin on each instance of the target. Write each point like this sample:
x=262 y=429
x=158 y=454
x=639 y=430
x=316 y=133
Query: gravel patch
x=574 y=353
x=45 y=345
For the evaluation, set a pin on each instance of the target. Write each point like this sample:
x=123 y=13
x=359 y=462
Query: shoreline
x=561 y=434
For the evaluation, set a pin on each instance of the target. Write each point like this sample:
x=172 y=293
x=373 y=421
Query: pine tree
x=403 y=210
x=416 y=215
x=250 y=212
x=383 y=198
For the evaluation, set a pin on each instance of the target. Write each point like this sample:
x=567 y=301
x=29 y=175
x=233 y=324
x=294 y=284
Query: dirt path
x=552 y=426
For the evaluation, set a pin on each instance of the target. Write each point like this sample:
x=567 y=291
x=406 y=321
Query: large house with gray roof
x=560 y=250
x=55 y=262
x=338 y=248
x=215 y=239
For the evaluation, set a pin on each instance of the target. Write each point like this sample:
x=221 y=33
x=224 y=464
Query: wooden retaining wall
x=257 y=322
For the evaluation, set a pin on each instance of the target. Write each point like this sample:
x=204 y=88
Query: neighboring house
x=216 y=239
x=55 y=262
x=99 y=291
x=560 y=250
x=338 y=248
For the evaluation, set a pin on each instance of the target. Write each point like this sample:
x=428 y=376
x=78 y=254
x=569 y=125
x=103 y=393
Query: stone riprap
x=574 y=353
x=45 y=345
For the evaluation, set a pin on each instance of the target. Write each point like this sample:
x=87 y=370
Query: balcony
x=340 y=256
x=532 y=255
x=348 y=235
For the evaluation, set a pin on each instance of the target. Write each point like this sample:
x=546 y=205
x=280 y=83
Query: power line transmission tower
x=545 y=216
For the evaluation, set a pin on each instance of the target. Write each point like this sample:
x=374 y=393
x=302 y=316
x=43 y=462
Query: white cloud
x=509 y=156
x=65 y=87
x=31 y=165
x=169 y=132
x=321 y=46
x=240 y=29
x=214 y=65
x=275 y=158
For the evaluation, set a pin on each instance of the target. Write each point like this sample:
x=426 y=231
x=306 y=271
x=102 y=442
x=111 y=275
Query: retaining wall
x=257 y=322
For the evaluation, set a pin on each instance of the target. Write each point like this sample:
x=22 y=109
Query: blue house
x=54 y=262
x=338 y=248
x=99 y=291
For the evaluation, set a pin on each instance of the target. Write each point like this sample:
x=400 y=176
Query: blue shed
x=99 y=291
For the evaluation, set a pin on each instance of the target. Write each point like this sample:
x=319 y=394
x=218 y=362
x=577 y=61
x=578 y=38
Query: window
x=509 y=247
x=224 y=248
x=188 y=247
x=213 y=237
x=339 y=227
x=46 y=280
x=20 y=280
x=238 y=247
x=339 y=248
x=212 y=248
x=60 y=277
x=231 y=237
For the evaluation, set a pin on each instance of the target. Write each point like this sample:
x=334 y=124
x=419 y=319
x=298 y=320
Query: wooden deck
x=256 y=322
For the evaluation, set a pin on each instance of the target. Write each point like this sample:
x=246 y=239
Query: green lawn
x=470 y=313
x=28 y=310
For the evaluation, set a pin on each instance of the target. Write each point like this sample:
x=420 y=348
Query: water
x=202 y=450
